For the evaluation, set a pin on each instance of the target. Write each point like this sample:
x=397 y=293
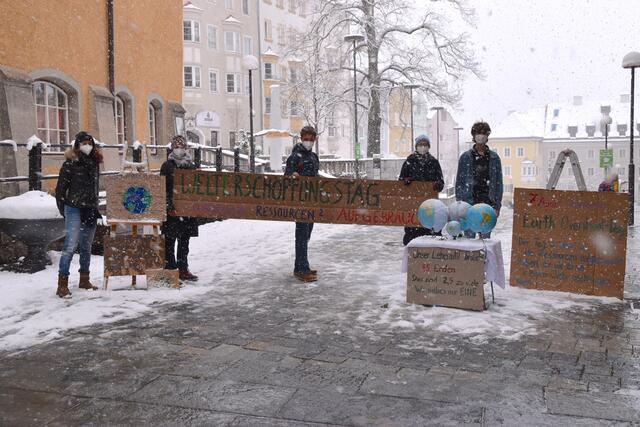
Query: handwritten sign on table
x=211 y=194
x=570 y=241
x=448 y=277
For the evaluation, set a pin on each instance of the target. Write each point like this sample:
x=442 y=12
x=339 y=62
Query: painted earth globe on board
x=458 y=212
x=136 y=200
x=433 y=214
x=481 y=218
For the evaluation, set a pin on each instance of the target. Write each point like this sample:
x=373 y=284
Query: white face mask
x=308 y=145
x=179 y=152
x=481 y=139
x=86 y=149
x=422 y=149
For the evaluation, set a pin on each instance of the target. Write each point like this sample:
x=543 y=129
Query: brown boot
x=307 y=276
x=63 y=286
x=85 y=283
x=186 y=275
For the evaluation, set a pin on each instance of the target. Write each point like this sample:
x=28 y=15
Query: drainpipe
x=110 y=49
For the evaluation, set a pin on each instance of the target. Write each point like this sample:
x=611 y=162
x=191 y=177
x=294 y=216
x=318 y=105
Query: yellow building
x=399 y=113
x=56 y=78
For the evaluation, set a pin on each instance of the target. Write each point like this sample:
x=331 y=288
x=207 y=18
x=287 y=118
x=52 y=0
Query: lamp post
x=411 y=87
x=250 y=62
x=355 y=38
x=604 y=124
x=631 y=60
x=437 y=110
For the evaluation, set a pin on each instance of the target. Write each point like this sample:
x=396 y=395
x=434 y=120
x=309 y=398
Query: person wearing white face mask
x=479 y=178
x=177 y=228
x=421 y=166
x=303 y=162
x=77 y=199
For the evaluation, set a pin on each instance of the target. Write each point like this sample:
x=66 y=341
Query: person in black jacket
x=303 y=162
x=77 y=199
x=421 y=166
x=177 y=227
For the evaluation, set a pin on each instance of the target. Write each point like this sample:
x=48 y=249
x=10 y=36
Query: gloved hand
x=407 y=181
x=172 y=212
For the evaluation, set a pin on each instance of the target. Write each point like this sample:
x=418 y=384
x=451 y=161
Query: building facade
x=55 y=78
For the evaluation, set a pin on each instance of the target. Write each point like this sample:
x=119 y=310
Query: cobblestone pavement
x=297 y=356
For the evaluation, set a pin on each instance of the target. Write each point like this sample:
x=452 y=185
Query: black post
x=35 y=167
x=632 y=175
x=236 y=159
x=356 y=147
x=219 y=159
x=197 y=157
x=137 y=154
x=252 y=154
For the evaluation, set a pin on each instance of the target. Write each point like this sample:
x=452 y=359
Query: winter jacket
x=422 y=168
x=176 y=226
x=303 y=161
x=465 y=179
x=78 y=182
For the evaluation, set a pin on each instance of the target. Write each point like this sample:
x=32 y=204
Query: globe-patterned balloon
x=458 y=212
x=136 y=200
x=433 y=214
x=481 y=218
x=452 y=229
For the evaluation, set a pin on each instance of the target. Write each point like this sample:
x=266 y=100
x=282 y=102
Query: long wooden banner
x=211 y=194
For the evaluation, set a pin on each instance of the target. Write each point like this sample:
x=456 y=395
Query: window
x=520 y=152
x=228 y=4
x=191 y=76
x=267 y=105
x=268 y=70
x=293 y=76
x=296 y=108
x=247 y=45
x=556 y=112
x=281 y=35
x=590 y=172
x=621 y=171
x=191 y=31
x=213 y=81
x=293 y=37
x=119 y=113
x=212 y=37
x=214 y=138
x=622 y=153
x=267 y=30
x=245 y=7
x=554 y=127
x=232 y=41
x=528 y=171
x=292 y=6
x=152 y=126
x=232 y=139
x=52 y=113
x=507 y=171
x=302 y=11
x=507 y=151
x=591 y=154
x=233 y=83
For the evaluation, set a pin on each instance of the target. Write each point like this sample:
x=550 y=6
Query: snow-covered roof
x=554 y=120
x=270 y=52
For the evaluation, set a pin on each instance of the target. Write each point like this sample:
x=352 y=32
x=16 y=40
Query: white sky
x=538 y=51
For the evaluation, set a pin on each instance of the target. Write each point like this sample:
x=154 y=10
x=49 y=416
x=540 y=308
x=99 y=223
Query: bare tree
x=405 y=43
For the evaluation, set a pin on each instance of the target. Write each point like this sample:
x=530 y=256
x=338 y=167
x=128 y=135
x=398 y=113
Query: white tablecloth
x=493 y=265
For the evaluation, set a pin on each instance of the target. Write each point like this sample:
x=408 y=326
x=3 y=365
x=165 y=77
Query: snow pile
x=30 y=205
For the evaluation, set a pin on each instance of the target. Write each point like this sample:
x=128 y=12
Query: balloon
x=458 y=212
x=433 y=214
x=481 y=218
x=452 y=229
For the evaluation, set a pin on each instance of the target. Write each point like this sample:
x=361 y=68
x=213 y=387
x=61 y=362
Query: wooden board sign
x=448 y=277
x=570 y=241
x=211 y=194
x=132 y=255
x=136 y=197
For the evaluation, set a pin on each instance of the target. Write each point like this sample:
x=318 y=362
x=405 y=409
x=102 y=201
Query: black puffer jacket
x=78 y=182
x=303 y=161
x=176 y=226
x=422 y=168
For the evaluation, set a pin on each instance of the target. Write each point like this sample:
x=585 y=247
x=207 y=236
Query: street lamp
x=631 y=60
x=411 y=87
x=437 y=110
x=355 y=38
x=604 y=124
x=251 y=63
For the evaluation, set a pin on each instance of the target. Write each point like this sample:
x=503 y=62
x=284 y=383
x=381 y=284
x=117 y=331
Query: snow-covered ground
x=240 y=261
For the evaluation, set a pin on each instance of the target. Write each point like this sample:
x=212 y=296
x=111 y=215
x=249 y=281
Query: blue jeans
x=76 y=235
x=303 y=234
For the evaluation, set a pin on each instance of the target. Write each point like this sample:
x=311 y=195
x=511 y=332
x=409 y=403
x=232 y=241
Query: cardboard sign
x=132 y=255
x=570 y=241
x=278 y=198
x=448 y=277
x=136 y=197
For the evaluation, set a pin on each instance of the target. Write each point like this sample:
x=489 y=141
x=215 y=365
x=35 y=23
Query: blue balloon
x=481 y=218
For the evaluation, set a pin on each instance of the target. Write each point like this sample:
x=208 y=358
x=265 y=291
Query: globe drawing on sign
x=433 y=214
x=452 y=229
x=481 y=218
x=458 y=212
x=136 y=200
